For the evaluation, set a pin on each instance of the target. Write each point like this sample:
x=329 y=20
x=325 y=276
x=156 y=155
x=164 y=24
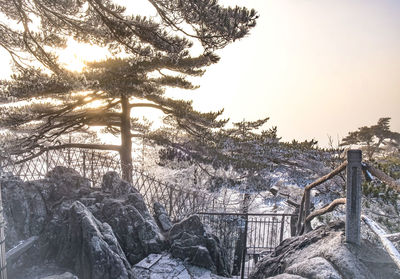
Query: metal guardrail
x=247 y=237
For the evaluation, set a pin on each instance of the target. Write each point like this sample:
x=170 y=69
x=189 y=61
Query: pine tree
x=372 y=138
x=61 y=102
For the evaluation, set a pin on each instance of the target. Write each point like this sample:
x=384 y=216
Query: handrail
x=304 y=215
x=305 y=204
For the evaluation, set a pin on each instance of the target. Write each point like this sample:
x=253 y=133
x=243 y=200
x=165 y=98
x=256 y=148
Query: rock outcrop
x=82 y=243
x=162 y=217
x=96 y=233
x=190 y=242
x=323 y=253
x=129 y=218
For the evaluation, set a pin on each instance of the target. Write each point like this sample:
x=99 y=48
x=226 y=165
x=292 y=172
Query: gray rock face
x=113 y=184
x=84 y=244
x=161 y=216
x=191 y=225
x=131 y=221
x=190 y=241
x=314 y=268
x=322 y=253
x=27 y=204
x=63 y=182
x=135 y=229
x=25 y=210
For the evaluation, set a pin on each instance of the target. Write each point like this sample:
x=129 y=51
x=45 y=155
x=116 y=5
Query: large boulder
x=126 y=212
x=27 y=205
x=136 y=231
x=323 y=253
x=113 y=184
x=84 y=244
x=63 y=182
x=25 y=210
x=190 y=241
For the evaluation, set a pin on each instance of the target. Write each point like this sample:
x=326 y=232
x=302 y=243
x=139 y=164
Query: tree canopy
x=373 y=138
x=147 y=54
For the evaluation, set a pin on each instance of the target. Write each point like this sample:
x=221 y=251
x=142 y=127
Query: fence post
x=3 y=262
x=84 y=163
x=307 y=206
x=171 y=193
x=282 y=228
x=353 y=196
x=69 y=157
x=92 y=169
x=244 y=252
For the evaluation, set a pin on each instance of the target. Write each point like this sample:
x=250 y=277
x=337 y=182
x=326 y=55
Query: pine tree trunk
x=126 y=140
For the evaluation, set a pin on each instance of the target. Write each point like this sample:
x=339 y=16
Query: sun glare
x=76 y=54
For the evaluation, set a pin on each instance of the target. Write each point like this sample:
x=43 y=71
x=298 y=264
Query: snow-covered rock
x=165 y=266
x=190 y=242
x=323 y=253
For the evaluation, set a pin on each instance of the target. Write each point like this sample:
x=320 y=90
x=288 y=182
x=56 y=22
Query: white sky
x=315 y=67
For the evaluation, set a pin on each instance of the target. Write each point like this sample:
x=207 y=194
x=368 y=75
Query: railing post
x=244 y=251
x=92 y=170
x=84 y=163
x=353 y=196
x=171 y=202
x=69 y=157
x=307 y=206
x=282 y=228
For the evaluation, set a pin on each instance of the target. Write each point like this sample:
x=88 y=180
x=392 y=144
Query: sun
x=75 y=55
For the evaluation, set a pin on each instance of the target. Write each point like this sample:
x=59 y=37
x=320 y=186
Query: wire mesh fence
x=90 y=164
x=179 y=201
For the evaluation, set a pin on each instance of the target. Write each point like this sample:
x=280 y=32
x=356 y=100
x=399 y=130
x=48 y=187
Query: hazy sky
x=315 y=67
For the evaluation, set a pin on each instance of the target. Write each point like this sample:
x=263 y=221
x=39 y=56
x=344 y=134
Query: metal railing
x=247 y=237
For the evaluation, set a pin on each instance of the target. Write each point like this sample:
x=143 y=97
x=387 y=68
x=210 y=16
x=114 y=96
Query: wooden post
x=353 y=197
x=307 y=206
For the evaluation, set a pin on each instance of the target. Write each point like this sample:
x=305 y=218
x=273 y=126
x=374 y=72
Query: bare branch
x=382 y=176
